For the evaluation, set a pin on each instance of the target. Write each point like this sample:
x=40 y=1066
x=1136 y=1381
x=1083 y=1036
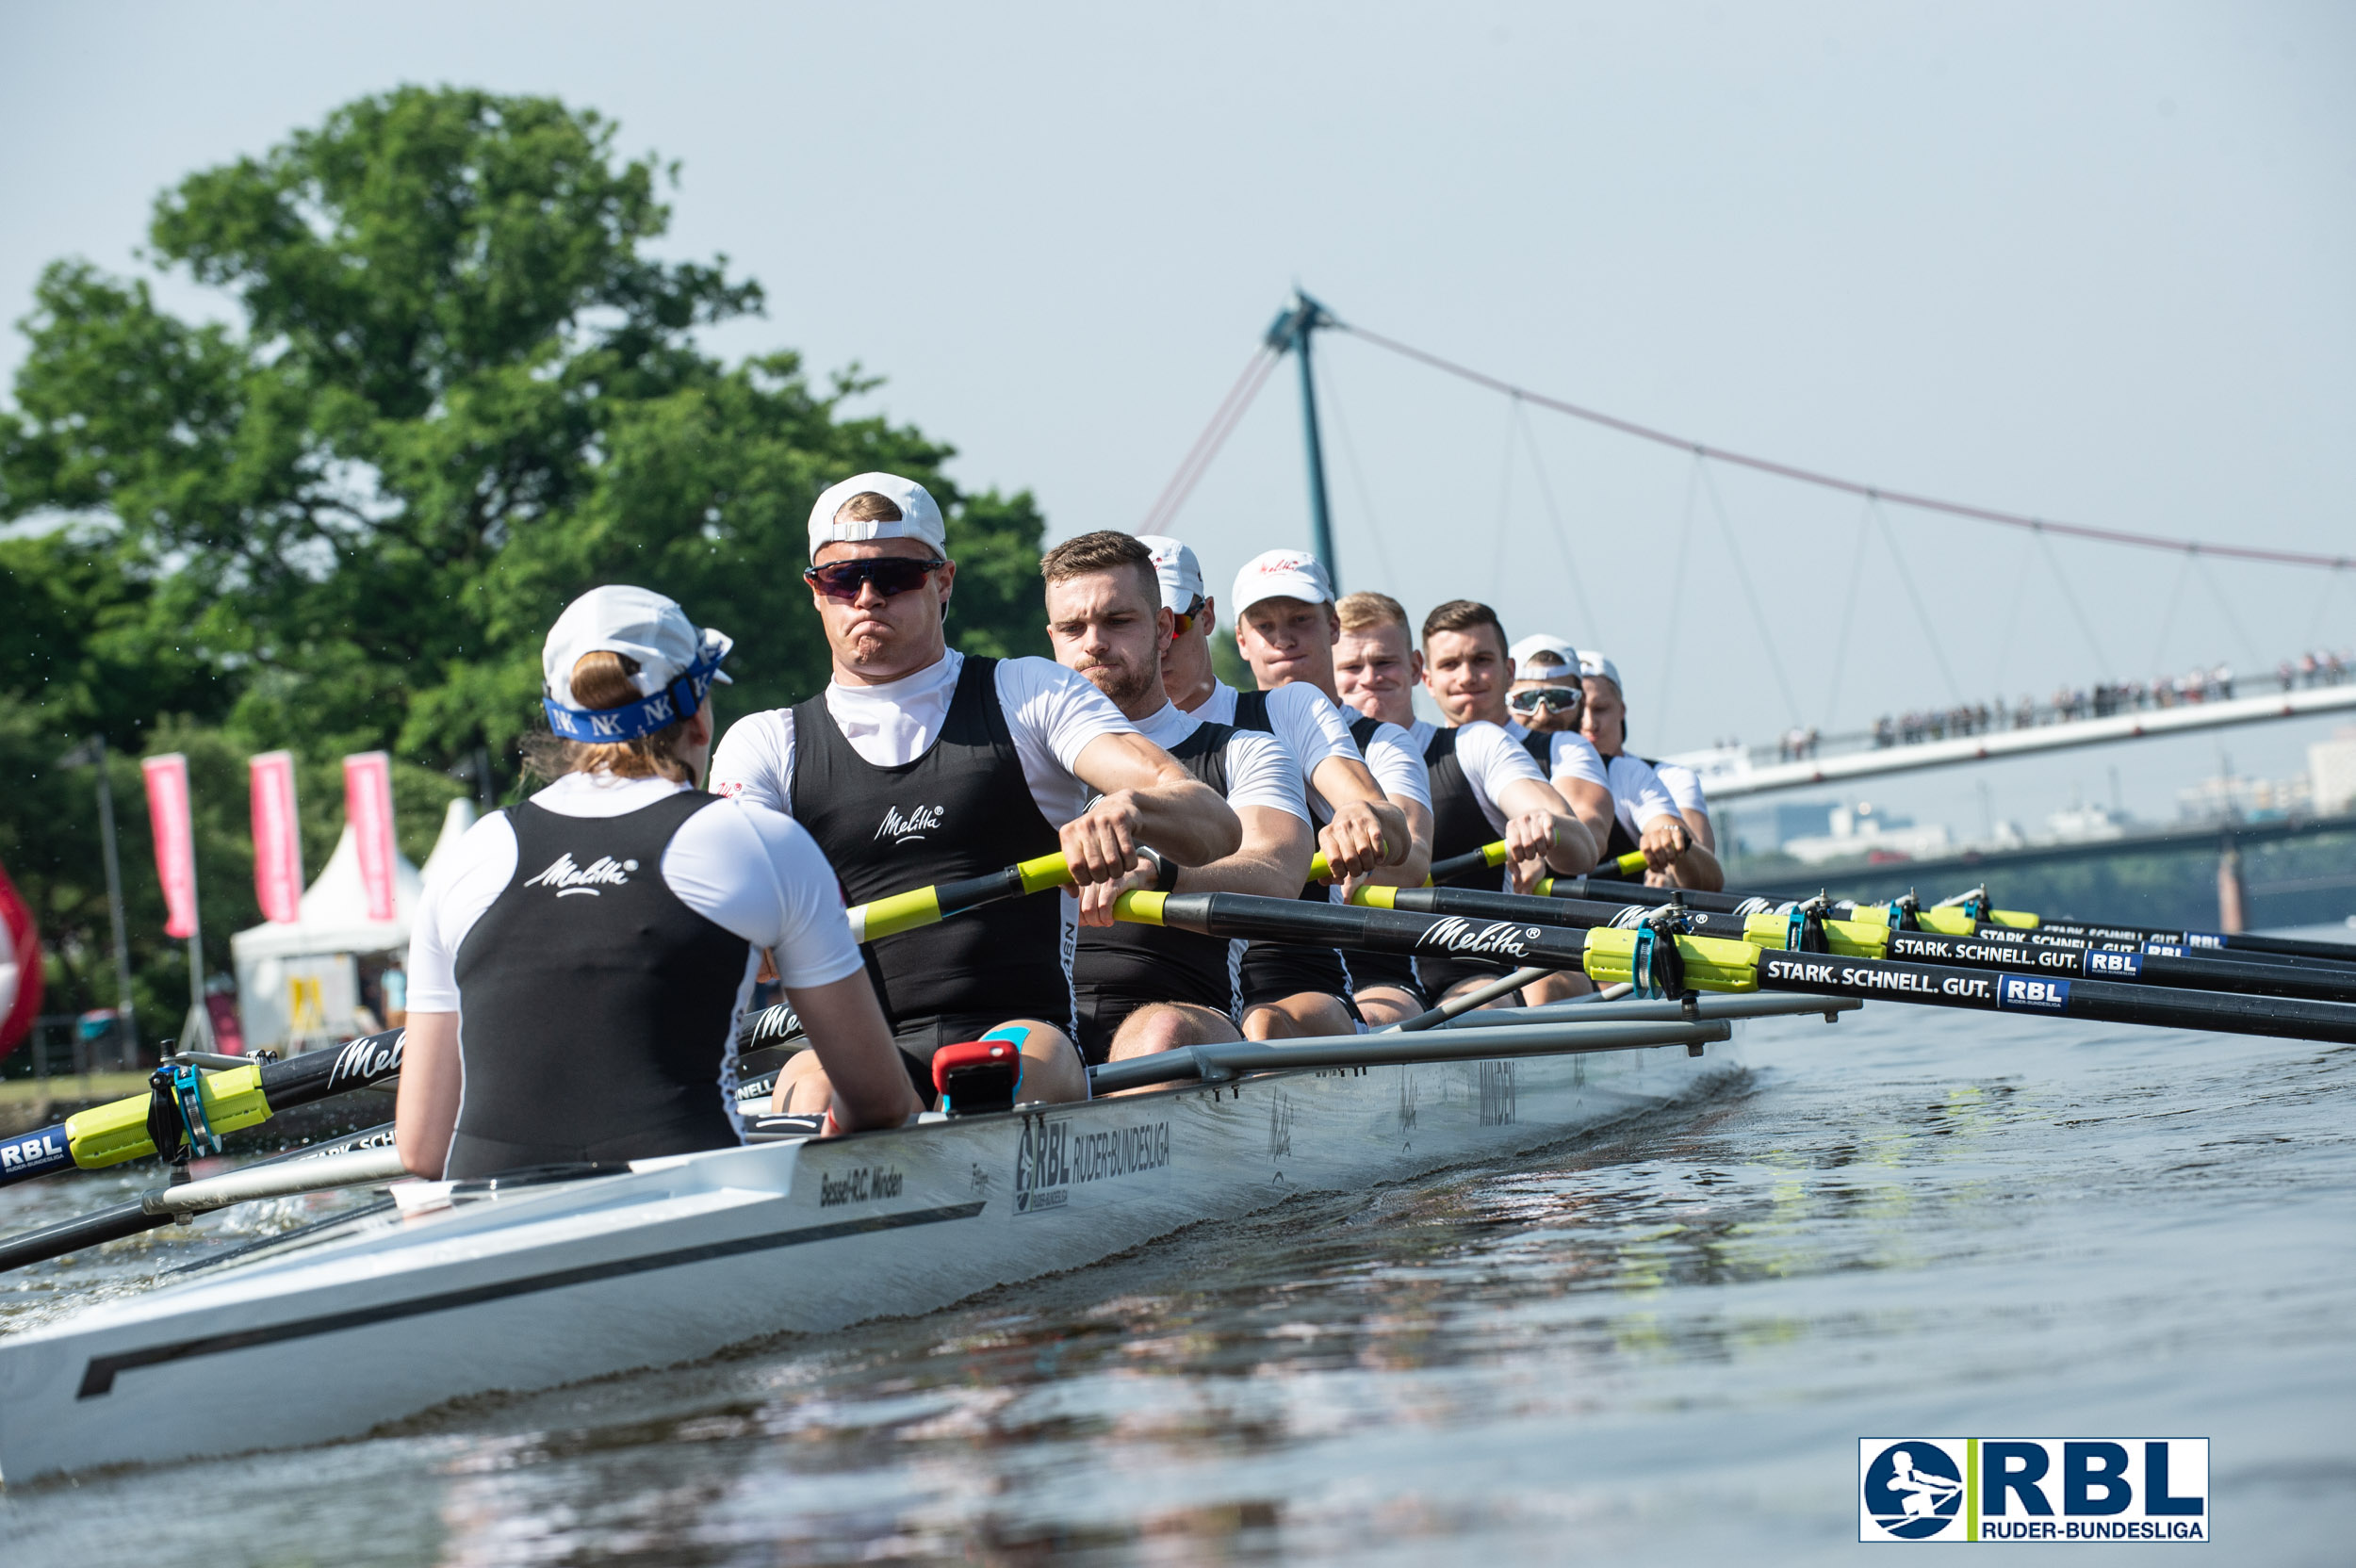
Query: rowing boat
x=441 y=1290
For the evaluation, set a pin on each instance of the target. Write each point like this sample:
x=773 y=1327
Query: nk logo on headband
x=1975 y=1489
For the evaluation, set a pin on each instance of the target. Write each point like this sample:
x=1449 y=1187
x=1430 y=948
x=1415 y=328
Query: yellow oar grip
x=111 y=1134
x=889 y=916
x=1376 y=898
x=1141 y=909
x=1631 y=863
x=1048 y=871
x=1318 y=869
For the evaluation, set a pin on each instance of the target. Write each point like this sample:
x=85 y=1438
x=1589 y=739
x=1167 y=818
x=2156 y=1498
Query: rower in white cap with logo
x=578 y=962
x=1669 y=822
x=920 y=764
x=1371 y=799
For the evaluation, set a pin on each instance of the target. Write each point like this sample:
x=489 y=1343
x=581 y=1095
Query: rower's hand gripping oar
x=1490 y=856
x=191 y=1109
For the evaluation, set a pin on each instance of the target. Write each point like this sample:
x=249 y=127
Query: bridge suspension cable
x=1833 y=481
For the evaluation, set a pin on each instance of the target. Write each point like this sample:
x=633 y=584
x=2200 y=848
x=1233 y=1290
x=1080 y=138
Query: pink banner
x=277 y=839
x=176 y=840
x=368 y=808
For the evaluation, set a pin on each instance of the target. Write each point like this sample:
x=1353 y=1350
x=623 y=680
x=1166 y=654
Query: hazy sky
x=2094 y=262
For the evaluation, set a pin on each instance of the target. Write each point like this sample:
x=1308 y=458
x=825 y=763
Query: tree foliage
x=458 y=389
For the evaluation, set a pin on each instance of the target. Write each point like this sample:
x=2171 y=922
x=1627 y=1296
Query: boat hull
x=687 y=1256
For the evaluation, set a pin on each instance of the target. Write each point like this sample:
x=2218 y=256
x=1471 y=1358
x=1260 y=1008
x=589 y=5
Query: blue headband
x=676 y=701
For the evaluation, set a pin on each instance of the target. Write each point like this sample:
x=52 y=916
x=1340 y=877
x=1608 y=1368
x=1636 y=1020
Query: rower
x=1680 y=850
x=1485 y=787
x=1286 y=624
x=1144 y=988
x=1530 y=689
x=578 y=962
x=1286 y=991
x=919 y=765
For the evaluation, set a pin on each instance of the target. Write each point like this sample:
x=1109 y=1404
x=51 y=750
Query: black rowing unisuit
x=1272 y=970
x=1120 y=966
x=1458 y=826
x=961 y=810
x=594 y=1006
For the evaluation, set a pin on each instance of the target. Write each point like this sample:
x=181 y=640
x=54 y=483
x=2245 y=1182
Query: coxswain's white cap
x=920 y=518
x=1565 y=663
x=1593 y=666
x=639 y=623
x=1280 y=574
x=1175 y=565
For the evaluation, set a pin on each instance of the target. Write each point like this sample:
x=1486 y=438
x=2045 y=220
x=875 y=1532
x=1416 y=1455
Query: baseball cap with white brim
x=677 y=663
x=1593 y=666
x=1175 y=565
x=1563 y=666
x=920 y=517
x=1280 y=574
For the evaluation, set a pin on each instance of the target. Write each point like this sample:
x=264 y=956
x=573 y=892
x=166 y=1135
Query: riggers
x=1657 y=958
x=234 y=1098
x=2072 y=957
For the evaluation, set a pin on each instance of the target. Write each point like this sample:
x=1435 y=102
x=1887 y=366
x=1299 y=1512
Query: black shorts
x=1387 y=969
x=1441 y=972
x=1271 y=972
x=919 y=1038
x=1106 y=1008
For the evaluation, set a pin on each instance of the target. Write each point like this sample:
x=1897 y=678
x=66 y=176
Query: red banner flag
x=368 y=808
x=20 y=968
x=277 y=837
x=175 y=840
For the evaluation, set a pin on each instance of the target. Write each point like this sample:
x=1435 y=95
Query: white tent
x=311 y=964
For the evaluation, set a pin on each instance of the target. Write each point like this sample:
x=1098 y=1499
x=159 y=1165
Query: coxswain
x=1286 y=624
x=1485 y=787
x=578 y=962
x=1679 y=848
x=1288 y=990
x=1144 y=988
x=919 y=765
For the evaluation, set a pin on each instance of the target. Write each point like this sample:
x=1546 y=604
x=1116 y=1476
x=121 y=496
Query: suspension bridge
x=2287 y=683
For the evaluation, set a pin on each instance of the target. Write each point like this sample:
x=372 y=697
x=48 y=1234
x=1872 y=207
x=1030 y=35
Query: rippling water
x=1659 y=1346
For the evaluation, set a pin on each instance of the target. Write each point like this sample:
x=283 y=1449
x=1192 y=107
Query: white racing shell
x=530 y=1287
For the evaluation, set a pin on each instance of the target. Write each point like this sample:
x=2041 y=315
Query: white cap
x=637 y=622
x=1175 y=565
x=1280 y=574
x=1592 y=663
x=920 y=518
x=1520 y=652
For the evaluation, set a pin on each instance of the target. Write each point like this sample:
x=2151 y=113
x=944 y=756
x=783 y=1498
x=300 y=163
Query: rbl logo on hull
x=2032 y=1489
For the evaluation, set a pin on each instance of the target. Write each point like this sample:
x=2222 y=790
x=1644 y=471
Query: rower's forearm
x=1411 y=868
x=1188 y=822
x=1265 y=872
x=1574 y=851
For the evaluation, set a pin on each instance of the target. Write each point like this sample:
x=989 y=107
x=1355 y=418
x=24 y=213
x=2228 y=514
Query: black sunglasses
x=1529 y=701
x=890 y=574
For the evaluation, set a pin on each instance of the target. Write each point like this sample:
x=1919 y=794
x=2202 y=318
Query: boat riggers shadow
x=213 y=1104
x=1658 y=958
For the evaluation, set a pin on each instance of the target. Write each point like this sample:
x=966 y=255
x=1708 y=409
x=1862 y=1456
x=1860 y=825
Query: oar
x=200 y=1106
x=1659 y=959
x=357 y=1160
x=1799 y=928
x=1489 y=856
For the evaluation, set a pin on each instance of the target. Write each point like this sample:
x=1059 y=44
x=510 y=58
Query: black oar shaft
x=2084 y=961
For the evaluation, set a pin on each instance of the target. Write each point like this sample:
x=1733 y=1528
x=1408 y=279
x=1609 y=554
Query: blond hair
x=601 y=680
x=1364 y=612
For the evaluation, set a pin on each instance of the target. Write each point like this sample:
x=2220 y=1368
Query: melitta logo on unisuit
x=2032 y=1489
x=568 y=879
x=901 y=826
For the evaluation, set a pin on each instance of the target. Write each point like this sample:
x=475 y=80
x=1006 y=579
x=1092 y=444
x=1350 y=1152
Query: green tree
x=458 y=390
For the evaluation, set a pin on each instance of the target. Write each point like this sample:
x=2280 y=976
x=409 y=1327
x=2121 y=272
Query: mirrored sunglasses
x=890 y=574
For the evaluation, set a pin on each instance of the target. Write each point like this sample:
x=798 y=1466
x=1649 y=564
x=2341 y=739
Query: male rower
x=1679 y=849
x=1141 y=987
x=578 y=962
x=1485 y=787
x=1285 y=628
x=919 y=765
x=1530 y=689
x=1288 y=990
